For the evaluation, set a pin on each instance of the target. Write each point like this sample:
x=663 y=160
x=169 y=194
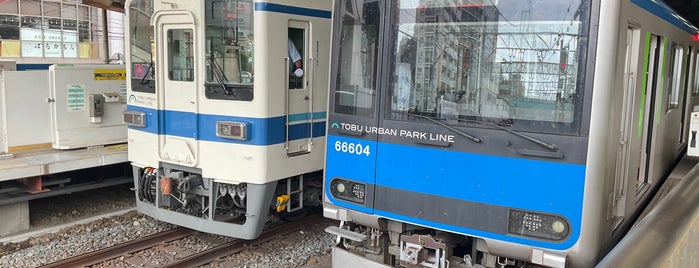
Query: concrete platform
x=17 y=237
x=41 y=162
x=15 y=218
x=14 y=209
x=680 y=171
x=667 y=234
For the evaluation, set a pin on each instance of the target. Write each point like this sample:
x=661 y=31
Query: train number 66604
x=352 y=148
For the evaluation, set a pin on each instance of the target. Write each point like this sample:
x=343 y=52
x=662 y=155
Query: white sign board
x=50 y=43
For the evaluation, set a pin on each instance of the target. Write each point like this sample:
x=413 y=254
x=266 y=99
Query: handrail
x=287 y=72
x=311 y=86
x=667 y=236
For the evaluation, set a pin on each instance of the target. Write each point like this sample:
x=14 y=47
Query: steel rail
x=115 y=251
x=239 y=245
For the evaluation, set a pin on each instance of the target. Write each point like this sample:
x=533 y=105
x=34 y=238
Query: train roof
x=667 y=13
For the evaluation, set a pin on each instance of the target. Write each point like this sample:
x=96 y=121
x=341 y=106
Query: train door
x=686 y=95
x=627 y=156
x=638 y=123
x=177 y=80
x=299 y=89
x=655 y=54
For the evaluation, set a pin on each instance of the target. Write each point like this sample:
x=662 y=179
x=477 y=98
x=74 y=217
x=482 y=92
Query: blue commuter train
x=501 y=133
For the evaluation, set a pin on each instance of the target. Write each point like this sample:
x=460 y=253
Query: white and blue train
x=222 y=136
x=501 y=133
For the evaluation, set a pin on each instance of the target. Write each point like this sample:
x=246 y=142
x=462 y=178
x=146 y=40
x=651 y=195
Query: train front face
x=220 y=134
x=465 y=119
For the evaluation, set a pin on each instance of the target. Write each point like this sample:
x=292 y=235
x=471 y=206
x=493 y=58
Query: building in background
x=35 y=33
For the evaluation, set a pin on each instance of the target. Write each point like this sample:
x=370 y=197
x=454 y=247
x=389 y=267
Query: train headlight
x=558 y=226
x=231 y=130
x=341 y=187
x=348 y=191
x=538 y=225
x=134 y=118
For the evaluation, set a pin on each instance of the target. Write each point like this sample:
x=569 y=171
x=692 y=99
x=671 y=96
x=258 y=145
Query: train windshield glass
x=513 y=61
x=355 y=91
x=229 y=49
x=141 y=45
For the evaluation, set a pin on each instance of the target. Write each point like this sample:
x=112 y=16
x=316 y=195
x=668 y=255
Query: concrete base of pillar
x=15 y=218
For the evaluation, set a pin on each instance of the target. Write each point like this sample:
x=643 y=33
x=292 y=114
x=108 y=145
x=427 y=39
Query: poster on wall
x=76 y=97
x=49 y=43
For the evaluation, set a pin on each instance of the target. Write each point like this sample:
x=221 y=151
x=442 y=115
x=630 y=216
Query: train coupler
x=422 y=251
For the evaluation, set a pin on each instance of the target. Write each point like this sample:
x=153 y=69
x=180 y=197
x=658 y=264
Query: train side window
x=296 y=53
x=675 y=76
x=688 y=70
x=695 y=83
x=180 y=55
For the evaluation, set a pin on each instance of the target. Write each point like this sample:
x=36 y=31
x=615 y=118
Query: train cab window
x=498 y=62
x=141 y=45
x=355 y=74
x=296 y=51
x=229 y=50
x=180 y=55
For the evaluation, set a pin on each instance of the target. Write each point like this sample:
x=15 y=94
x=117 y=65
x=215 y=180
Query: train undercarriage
x=183 y=197
x=397 y=244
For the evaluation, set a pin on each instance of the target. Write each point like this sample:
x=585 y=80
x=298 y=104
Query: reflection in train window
x=180 y=55
x=229 y=50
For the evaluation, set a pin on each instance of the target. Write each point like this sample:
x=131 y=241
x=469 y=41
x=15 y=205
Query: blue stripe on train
x=525 y=184
x=263 y=132
x=666 y=13
x=262 y=6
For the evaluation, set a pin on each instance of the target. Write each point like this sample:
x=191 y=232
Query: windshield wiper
x=151 y=66
x=220 y=77
x=550 y=146
x=436 y=121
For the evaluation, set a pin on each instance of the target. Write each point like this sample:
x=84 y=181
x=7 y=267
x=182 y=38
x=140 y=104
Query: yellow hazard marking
x=29 y=147
x=110 y=74
x=117 y=146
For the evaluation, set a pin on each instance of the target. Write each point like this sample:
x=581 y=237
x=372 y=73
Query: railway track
x=122 y=251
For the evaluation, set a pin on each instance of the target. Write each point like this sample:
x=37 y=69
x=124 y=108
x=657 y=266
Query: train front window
x=355 y=76
x=229 y=49
x=141 y=45
x=180 y=55
x=512 y=61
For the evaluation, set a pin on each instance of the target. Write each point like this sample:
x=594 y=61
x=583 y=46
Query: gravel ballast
x=309 y=248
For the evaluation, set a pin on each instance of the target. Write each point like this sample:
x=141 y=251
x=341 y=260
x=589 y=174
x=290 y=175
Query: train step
x=344 y=233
